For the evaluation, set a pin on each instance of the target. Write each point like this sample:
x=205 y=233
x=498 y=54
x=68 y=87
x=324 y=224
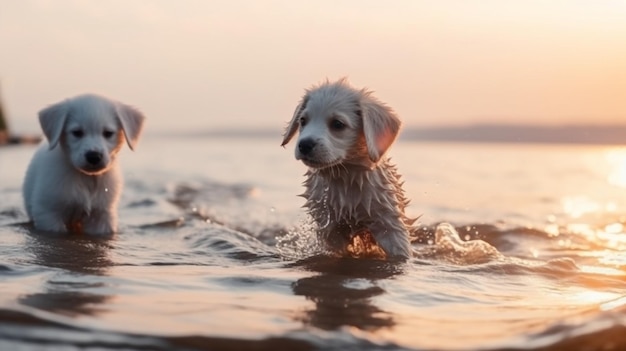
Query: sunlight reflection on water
x=590 y=297
x=614 y=304
x=617 y=163
x=594 y=210
x=576 y=206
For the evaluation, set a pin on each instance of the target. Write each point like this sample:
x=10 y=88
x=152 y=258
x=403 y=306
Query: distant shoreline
x=6 y=139
x=579 y=134
x=492 y=133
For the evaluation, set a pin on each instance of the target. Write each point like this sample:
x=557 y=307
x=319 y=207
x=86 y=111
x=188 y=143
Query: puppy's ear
x=131 y=120
x=293 y=125
x=380 y=127
x=52 y=120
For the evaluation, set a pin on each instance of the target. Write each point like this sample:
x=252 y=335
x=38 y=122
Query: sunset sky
x=201 y=64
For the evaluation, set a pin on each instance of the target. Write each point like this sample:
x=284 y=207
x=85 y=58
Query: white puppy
x=73 y=182
x=351 y=186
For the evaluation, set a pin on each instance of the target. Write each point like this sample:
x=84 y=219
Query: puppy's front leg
x=334 y=238
x=49 y=221
x=100 y=223
x=393 y=239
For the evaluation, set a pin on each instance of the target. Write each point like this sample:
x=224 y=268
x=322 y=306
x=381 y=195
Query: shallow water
x=215 y=253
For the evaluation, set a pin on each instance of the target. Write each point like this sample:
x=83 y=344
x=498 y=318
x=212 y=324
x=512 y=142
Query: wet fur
x=63 y=192
x=351 y=186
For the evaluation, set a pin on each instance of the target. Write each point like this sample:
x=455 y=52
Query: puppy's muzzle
x=306 y=146
x=93 y=158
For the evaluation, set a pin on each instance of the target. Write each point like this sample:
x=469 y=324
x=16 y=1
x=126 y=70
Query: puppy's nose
x=305 y=146
x=93 y=157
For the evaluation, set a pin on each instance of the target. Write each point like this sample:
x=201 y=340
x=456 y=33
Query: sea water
x=523 y=249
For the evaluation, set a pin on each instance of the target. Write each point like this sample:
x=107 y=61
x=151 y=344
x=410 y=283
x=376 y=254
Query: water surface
x=215 y=253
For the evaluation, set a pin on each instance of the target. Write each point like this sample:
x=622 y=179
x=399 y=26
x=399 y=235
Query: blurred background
x=211 y=66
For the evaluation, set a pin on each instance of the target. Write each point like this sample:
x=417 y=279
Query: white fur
x=351 y=186
x=73 y=182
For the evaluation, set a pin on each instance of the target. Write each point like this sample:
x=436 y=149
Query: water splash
x=449 y=246
x=299 y=242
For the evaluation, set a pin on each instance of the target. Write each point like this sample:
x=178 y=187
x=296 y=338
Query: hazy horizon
x=244 y=64
x=481 y=133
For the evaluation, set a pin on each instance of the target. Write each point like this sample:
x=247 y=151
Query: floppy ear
x=52 y=119
x=131 y=120
x=292 y=127
x=380 y=127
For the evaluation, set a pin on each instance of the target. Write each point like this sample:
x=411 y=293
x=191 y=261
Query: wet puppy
x=353 y=192
x=73 y=182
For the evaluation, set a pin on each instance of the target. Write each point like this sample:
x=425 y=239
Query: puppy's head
x=91 y=130
x=339 y=124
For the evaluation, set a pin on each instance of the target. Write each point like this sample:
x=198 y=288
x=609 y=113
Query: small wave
x=229 y=243
x=233 y=206
x=167 y=224
x=593 y=331
x=12 y=216
x=448 y=246
x=44 y=332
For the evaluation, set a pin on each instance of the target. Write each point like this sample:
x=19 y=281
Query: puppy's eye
x=107 y=134
x=337 y=125
x=78 y=133
x=303 y=121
